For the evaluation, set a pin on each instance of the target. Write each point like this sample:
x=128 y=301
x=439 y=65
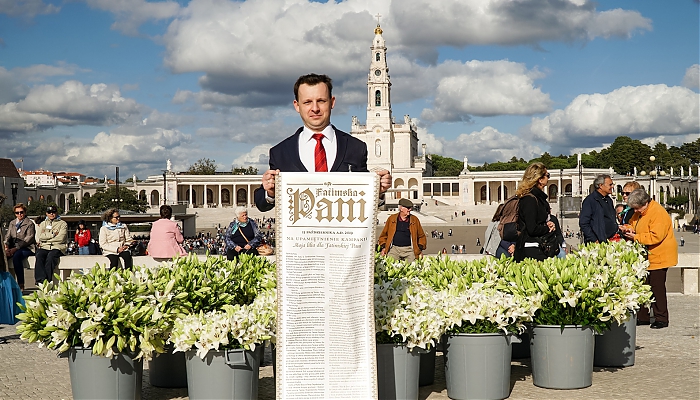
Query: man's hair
x=313 y=80
x=166 y=211
x=600 y=179
x=638 y=198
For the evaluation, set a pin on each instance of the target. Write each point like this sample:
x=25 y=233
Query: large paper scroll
x=325 y=280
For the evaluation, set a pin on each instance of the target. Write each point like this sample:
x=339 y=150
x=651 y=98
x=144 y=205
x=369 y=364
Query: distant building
x=39 y=177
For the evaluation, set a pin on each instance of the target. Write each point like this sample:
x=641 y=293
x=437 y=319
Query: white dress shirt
x=307 y=147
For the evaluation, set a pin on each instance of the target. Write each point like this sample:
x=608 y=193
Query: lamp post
x=165 y=186
x=14 y=193
x=656 y=171
x=561 y=197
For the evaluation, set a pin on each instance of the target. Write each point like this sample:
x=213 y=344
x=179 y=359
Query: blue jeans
x=18 y=262
x=83 y=251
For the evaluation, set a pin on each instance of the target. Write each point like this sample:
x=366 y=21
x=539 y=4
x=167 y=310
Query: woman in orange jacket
x=652 y=226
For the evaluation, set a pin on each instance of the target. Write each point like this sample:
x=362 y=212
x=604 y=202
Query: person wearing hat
x=402 y=237
x=53 y=235
x=82 y=238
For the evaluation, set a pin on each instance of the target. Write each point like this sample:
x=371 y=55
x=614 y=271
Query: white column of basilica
x=219 y=200
x=488 y=192
x=190 y=196
x=503 y=199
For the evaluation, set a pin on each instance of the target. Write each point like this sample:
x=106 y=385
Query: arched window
x=142 y=195
x=155 y=198
x=377 y=57
x=86 y=196
x=377 y=148
x=568 y=189
x=377 y=98
x=241 y=195
x=49 y=199
x=210 y=196
x=552 y=192
x=225 y=196
x=483 y=193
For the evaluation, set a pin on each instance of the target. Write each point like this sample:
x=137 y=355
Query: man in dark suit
x=317 y=146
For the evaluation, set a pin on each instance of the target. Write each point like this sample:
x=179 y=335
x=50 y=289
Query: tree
x=105 y=199
x=244 y=171
x=203 y=166
x=446 y=166
x=691 y=151
x=38 y=207
x=624 y=154
x=677 y=201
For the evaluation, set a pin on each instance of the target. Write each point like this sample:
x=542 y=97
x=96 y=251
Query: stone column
x=488 y=192
x=503 y=199
x=204 y=196
x=219 y=200
x=190 y=200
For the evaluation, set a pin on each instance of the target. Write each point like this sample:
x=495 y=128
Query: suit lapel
x=341 y=143
x=294 y=152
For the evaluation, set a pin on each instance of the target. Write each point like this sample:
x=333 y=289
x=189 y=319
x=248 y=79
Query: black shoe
x=640 y=322
x=659 y=325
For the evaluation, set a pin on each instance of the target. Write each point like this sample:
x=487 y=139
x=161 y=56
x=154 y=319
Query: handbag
x=263 y=249
x=549 y=244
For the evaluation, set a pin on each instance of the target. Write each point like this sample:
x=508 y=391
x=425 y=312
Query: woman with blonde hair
x=533 y=212
x=628 y=212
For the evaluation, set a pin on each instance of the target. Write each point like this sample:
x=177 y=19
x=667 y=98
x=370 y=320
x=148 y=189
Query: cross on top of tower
x=378 y=30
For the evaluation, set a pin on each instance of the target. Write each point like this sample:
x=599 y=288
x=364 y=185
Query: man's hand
x=268 y=181
x=511 y=249
x=247 y=247
x=384 y=180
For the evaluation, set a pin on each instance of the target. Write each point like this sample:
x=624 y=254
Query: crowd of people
x=530 y=230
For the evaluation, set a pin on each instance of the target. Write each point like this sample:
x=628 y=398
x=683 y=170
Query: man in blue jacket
x=597 y=219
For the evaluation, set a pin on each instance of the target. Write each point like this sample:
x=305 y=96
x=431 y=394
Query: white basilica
x=395 y=147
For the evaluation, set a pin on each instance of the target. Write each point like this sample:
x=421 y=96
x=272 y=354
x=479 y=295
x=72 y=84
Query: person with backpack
x=493 y=244
x=534 y=225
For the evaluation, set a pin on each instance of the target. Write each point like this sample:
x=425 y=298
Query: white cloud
x=258 y=157
x=39 y=72
x=639 y=111
x=122 y=148
x=254 y=50
x=486 y=88
x=10 y=88
x=691 y=79
x=433 y=144
x=505 y=23
x=131 y=14
x=488 y=145
x=26 y=8
x=71 y=103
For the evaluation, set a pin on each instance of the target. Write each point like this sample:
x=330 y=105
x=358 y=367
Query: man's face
x=606 y=188
x=404 y=211
x=314 y=106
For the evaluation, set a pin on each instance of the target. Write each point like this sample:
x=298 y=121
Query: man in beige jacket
x=53 y=235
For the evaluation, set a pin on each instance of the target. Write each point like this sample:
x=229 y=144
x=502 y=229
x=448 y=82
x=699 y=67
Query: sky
x=89 y=85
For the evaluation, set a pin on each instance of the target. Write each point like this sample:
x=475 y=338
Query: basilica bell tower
x=390 y=146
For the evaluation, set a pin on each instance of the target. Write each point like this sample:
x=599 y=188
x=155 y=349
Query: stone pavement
x=667 y=367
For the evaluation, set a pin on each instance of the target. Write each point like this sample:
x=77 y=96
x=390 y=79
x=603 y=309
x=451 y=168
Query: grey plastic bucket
x=397 y=372
x=562 y=359
x=477 y=366
x=615 y=347
x=96 y=377
x=223 y=374
x=168 y=370
x=427 y=367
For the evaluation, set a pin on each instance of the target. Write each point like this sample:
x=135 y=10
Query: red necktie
x=320 y=154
